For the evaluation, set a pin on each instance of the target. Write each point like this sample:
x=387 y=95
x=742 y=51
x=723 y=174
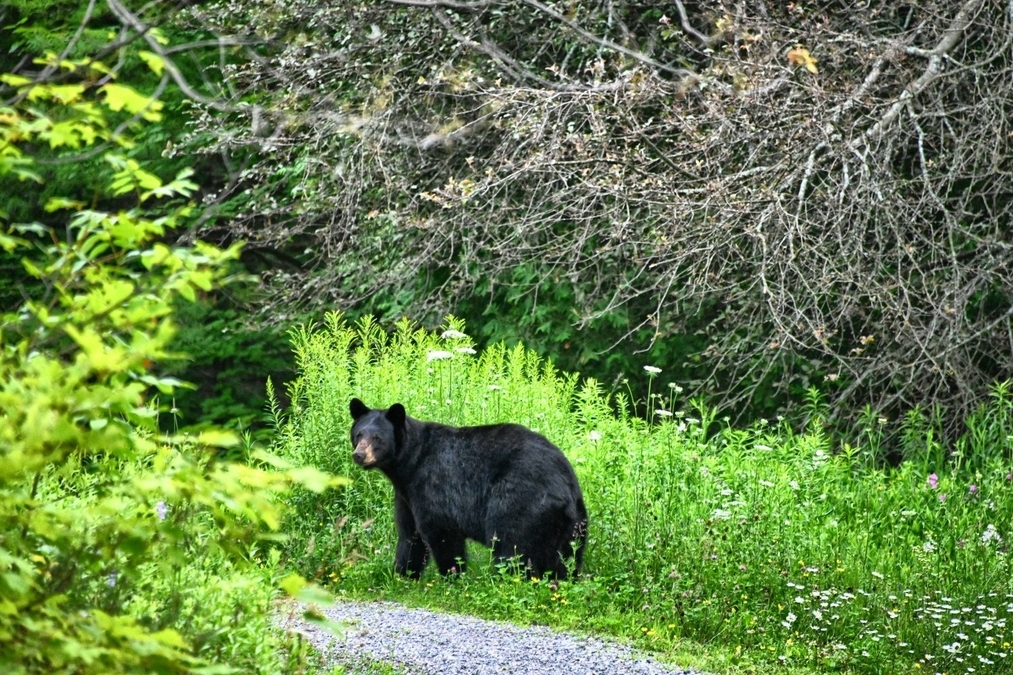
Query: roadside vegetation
x=771 y=546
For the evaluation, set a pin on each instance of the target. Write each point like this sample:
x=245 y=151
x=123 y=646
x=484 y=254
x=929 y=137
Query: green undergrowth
x=764 y=548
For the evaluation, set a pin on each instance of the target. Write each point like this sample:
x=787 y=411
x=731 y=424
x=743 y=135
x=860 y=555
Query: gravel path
x=420 y=642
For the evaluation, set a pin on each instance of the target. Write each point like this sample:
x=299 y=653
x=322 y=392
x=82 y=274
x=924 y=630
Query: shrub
x=104 y=524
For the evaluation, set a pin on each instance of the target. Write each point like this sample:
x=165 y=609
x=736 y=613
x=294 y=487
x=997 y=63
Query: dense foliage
x=768 y=545
x=769 y=195
x=219 y=345
x=120 y=549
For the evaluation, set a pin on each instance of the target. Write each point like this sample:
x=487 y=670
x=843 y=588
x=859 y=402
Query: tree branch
x=951 y=37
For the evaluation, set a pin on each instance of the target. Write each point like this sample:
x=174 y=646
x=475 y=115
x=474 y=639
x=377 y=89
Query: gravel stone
x=420 y=642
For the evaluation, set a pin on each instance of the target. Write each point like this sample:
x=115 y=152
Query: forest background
x=757 y=197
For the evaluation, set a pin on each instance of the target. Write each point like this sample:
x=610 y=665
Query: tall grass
x=774 y=545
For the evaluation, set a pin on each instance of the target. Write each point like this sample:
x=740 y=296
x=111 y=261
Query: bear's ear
x=396 y=415
x=357 y=408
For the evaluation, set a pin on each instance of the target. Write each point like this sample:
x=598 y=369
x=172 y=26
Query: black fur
x=503 y=485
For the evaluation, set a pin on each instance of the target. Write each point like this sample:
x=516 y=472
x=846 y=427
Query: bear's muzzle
x=363 y=454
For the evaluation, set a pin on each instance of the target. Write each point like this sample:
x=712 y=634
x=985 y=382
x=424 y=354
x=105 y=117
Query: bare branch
x=800 y=226
x=449 y=4
x=949 y=40
x=688 y=29
x=133 y=21
x=604 y=42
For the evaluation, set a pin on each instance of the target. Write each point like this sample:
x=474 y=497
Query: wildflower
x=594 y=435
x=674 y=387
x=793 y=484
x=436 y=354
x=161 y=510
x=972 y=489
x=465 y=350
x=929 y=546
x=662 y=413
x=878 y=575
x=933 y=481
x=452 y=334
x=942 y=497
x=111 y=580
x=742 y=568
x=990 y=534
x=653 y=370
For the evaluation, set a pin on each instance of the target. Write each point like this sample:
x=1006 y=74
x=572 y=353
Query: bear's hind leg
x=542 y=545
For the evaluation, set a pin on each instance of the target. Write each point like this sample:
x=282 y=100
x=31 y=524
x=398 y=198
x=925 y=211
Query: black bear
x=503 y=485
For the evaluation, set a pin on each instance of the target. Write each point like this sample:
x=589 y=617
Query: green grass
x=731 y=549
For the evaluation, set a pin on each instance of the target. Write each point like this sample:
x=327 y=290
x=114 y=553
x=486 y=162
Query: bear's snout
x=363 y=454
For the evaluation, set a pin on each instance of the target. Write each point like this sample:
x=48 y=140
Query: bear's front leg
x=447 y=547
x=411 y=555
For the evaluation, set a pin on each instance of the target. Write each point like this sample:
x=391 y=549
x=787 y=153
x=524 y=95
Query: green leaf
x=314 y=479
x=15 y=80
x=165 y=385
x=66 y=93
x=218 y=438
x=202 y=279
x=292 y=584
x=121 y=97
x=153 y=60
x=57 y=203
x=130 y=176
x=9 y=243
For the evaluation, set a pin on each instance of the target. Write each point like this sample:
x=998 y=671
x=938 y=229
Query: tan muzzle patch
x=363 y=454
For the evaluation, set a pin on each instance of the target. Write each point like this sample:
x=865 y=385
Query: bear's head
x=376 y=434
